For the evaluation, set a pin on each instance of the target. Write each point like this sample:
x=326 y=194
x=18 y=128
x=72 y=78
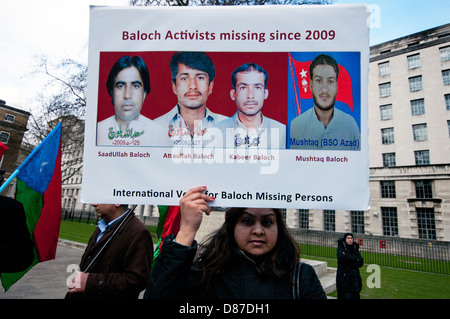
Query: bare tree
x=63 y=99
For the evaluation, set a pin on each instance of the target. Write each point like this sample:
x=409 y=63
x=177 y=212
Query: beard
x=326 y=107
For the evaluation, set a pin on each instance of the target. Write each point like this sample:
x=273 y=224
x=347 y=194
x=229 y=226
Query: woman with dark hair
x=348 y=278
x=251 y=256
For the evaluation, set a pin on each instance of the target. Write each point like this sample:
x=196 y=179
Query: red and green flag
x=39 y=190
x=3 y=149
x=168 y=223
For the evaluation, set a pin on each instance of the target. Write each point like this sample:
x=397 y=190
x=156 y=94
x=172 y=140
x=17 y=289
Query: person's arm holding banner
x=259 y=263
x=170 y=277
x=192 y=207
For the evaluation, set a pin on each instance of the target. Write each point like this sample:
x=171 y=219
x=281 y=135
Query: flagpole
x=293 y=84
x=17 y=171
x=13 y=175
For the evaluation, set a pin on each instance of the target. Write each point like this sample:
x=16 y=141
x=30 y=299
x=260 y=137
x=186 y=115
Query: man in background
x=118 y=258
x=16 y=245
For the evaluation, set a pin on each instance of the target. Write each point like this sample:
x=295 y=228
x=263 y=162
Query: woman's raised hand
x=192 y=207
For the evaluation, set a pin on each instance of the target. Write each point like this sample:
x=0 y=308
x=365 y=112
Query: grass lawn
x=395 y=283
x=81 y=232
x=407 y=284
x=74 y=231
x=400 y=283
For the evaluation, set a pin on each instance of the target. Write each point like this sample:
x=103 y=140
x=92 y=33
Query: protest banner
x=238 y=111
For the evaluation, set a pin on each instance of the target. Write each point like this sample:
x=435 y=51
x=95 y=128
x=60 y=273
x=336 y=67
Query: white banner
x=266 y=106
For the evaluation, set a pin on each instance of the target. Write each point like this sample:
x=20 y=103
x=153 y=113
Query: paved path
x=47 y=280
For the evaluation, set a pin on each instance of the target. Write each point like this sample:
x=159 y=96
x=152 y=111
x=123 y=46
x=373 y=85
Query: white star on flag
x=303 y=73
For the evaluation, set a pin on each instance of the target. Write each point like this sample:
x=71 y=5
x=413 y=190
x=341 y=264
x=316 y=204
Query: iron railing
x=415 y=254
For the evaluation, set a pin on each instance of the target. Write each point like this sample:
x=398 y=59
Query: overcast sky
x=55 y=28
x=60 y=29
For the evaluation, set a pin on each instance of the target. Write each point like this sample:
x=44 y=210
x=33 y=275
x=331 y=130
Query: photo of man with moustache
x=192 y=82
x=249 y=128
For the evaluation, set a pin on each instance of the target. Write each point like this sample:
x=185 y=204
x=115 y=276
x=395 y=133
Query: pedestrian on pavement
x=117 y=259
x=252 y=255
x=348 y=278
x=16 y=245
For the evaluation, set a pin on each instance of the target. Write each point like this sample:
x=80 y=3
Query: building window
x=329 y=220
x=422 y=157
x=447 y=101
x=418 y=107
x=445 y=54
x=385 y=89
x=420 y=132
x=446 y=77
x=9 y=118
x=303 y=218
x=357 y=220
x=4 y=137
x=387 y=135
x=426 y=223
x=386 y=112
x=415 y=83
x=384 y=69
x=414 y=61
x=390 y=221
x=424 y=189
x=448 y=126
x=387 y=189
x=388 y=159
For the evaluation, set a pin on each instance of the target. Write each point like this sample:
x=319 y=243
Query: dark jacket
x=16 y=245
x=123 y=268
x=350 y=260
x=174 y=276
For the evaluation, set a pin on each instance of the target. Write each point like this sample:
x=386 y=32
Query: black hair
x=323 y=59
x=216 y=251
x=248 y=67
x=126 y=62
x=195 y=60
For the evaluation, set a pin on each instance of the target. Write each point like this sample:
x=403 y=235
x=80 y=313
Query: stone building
x=13 y=125
x=409 y=142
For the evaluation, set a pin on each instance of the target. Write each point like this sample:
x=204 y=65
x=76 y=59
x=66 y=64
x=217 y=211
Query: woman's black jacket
x=349 y=261
x=174 y=277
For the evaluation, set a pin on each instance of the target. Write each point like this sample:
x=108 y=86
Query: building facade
x=409 y=143
x=13 y=125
